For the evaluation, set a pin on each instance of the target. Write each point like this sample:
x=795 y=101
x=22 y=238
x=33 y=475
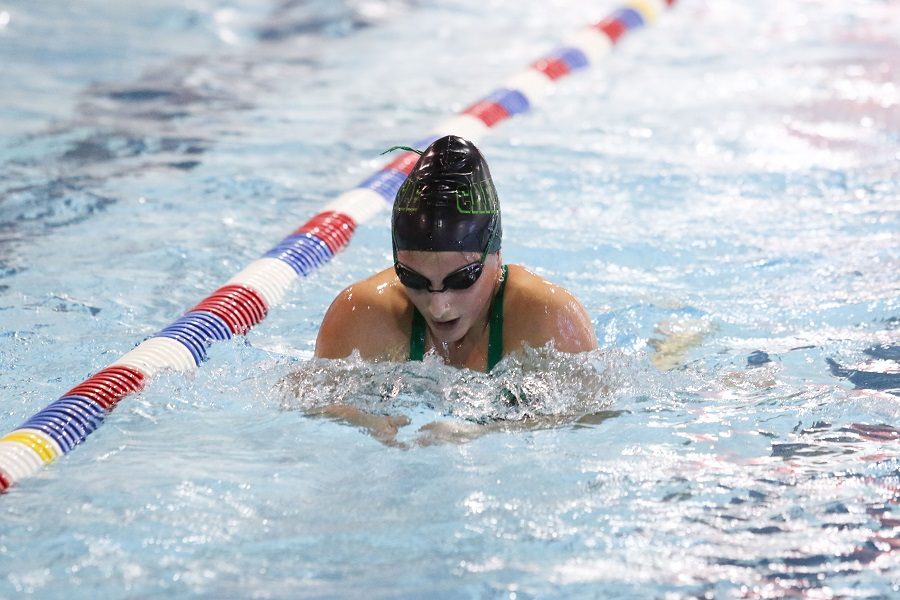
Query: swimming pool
x=721 y=189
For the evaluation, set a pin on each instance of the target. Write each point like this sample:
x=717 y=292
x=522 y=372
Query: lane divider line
x=246 y=298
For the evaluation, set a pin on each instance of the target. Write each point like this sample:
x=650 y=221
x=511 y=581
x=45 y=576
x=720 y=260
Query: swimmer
x=448 y=293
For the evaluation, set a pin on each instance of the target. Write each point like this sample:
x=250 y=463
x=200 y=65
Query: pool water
x=721 y=192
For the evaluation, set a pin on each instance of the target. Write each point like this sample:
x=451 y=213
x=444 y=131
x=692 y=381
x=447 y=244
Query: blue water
x=720 y=192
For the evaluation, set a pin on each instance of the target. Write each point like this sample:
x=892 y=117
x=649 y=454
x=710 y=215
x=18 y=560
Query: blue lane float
x=303 y=252
x=513 y=102
x=572 y=57
x=68 y=420
x=629 y=17
x=197 y=331
x=385 y=182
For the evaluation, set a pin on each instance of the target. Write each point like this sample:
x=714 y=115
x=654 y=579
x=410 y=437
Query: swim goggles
x=461 y=279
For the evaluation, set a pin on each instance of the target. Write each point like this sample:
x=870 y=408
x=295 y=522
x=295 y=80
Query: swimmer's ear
x=407 y=148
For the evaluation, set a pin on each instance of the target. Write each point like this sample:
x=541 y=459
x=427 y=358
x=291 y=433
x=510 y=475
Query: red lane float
x=240 y=306
x=333 y=228
x=110 y=385
x=613 y=28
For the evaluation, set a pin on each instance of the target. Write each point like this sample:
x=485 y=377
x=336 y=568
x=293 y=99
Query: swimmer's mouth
x=445 y=324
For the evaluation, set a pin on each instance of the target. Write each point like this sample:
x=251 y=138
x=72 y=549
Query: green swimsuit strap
x=495 y=332
x=417 y=339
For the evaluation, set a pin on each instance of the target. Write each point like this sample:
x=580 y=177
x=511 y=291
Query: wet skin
x=374 y=316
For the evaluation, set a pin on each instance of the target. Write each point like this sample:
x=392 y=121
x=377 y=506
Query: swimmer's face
x=452 y=313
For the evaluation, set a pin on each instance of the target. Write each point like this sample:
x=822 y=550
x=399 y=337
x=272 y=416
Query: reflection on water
x=172 y=113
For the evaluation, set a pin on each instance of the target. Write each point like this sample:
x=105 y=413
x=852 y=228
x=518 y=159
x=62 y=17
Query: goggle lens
x=460 y=279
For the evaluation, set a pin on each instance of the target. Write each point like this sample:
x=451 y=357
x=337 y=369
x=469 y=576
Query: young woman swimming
x=448 y=292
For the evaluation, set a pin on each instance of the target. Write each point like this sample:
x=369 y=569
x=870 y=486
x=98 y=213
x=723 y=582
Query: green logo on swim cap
x=407 y=199
x=473 y=199
x=477 y=199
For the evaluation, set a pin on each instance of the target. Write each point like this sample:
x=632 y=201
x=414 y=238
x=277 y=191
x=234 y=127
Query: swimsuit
x=495 y=333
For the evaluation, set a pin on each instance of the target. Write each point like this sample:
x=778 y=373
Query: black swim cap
x=448 y=202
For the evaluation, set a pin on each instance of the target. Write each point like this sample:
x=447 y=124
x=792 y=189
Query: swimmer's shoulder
x=537 y=311
x=372 y=316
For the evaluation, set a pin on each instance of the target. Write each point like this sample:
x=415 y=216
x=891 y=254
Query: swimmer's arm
x=357 y=322
x=574 y=331
x=461 y=432
x=561 y=319
x=335 y=338
x=383 y=428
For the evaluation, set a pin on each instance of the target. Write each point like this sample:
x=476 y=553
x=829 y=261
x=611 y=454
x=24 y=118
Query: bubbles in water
x=538 y=384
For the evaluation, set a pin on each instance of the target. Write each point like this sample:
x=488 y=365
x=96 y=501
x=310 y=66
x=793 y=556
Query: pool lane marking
x=246 y=298
x=271 y=277
x=42 y=445
x=158 y=353
x=19 y=460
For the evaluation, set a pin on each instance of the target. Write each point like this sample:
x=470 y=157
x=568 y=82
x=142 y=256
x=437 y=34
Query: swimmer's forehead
x=408 y=257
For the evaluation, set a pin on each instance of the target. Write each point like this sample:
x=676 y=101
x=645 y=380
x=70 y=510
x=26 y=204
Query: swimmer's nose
x=439 y=305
